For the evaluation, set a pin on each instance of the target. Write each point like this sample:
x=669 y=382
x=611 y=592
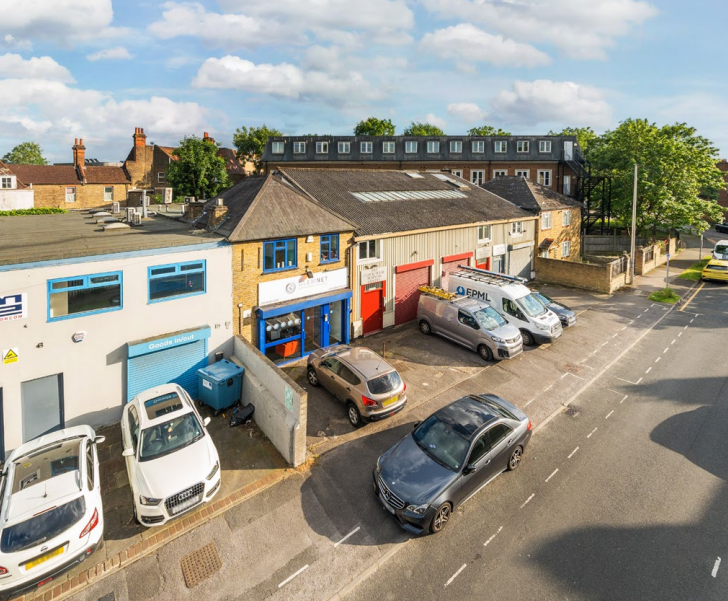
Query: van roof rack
x=438 y=292
x=491 y=277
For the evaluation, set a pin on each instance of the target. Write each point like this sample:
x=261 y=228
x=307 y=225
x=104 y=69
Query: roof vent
x=413 y=175
x=116 y=226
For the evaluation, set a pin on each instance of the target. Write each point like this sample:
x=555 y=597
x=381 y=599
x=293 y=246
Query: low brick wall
x=648 y=258
x=598 y=275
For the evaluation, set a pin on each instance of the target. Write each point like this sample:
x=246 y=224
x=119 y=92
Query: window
x=277 y=147
x=161 y=177
x=322 y=147
x=90 y=475
x=498 y=433
x=7 y=182
x=410 y=146
x=368 y=250
x=566 y=248
x=545 y=221
x=566 y=218
x=329 y=248
x=511 y=308
x=567 y=184
x=522 y=146
x=544 y=254
x=178 y=279
x=71 y=194
x=524 y=172
x=544 y=146
x=388 y=147
x=433 y=146
x=299 y=147
x=133 y=427
x=500 y=172
x=279 y=255
x=480 y=448
x=85 y=294
x=457 y=172
x=349 y=376
x=466 y=319
x=456 y=146
x=365 y=147
x=544 y=177
x=344 y=147
x=108 y=193
x=484 y=233
x=501 y=146
x=477 y=146
x=477 y=176
x=516 y=228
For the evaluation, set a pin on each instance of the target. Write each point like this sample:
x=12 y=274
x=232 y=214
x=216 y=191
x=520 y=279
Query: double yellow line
x=690 y=300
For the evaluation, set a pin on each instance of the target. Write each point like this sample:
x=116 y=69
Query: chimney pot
x=219 y=202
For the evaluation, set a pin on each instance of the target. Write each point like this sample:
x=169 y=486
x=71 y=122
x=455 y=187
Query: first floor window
x=368 y=250
x=522 y=146
x=544 y=177
x=477 y=176
x=108 y=193
x=388 y=147
x=566 y=218
x=279 y=255
x=365 y=147
x=524 y=172
x=299 y=147
x=161 y=177
x=456 y=146
x=566 y=248
x=178 y=279
x=501 y=146
x=277 y=147
x=344 y=147
x=483 y=233
x=329 y=248
x=516 y=228
x=545 y=221
x=567 y=184
x=322 y=147
x=6 y=183
x=500 y=172
x=478 y=146
x=71 y=194
x=433 y=146
x=410 y=146
x=544 y=146
x=544 y=254
x=84 y=294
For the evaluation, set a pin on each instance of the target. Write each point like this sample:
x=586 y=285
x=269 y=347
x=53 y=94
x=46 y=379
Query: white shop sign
x=287 y=289
x=482 y=252
x=499 y=249
x=373 y=275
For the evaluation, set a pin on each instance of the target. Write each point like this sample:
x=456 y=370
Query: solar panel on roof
x=388 y=196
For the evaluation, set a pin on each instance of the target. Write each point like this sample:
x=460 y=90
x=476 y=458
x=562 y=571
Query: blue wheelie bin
x=220 y=384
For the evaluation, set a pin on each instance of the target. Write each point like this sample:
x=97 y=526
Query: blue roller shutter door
x=178 y=364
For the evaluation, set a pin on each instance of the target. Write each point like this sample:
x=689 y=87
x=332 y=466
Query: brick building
x=290 y=277
x=558 y=233
x=553 y=161
x=73 y=186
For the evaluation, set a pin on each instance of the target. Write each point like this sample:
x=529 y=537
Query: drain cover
x=201 y=564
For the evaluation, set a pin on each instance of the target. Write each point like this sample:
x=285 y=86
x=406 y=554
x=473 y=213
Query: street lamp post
x=634 y=222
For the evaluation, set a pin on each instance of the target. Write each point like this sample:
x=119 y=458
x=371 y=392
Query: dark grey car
x=566 y=316
x=448 y=458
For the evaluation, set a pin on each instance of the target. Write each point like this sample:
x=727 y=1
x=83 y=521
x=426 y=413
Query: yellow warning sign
x=10 y=355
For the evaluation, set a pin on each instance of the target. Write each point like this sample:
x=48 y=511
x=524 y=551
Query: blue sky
x=96 y=69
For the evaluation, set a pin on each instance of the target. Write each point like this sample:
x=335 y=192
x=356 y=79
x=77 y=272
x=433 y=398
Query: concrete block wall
x=589 y=276
x=267 y=388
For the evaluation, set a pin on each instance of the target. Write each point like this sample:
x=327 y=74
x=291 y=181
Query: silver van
x=469 y=322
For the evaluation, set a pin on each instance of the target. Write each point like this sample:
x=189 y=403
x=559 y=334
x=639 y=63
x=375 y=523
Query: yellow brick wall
x=247 y=266
x=87 y=197
x=558 y=233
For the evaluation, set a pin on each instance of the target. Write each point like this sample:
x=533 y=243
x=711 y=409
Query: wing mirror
x=206 y=421
x=415 y=425
x=127 y=453
x=469 y=469
x=99 y=439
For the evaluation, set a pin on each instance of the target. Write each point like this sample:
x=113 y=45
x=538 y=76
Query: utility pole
x=634 y=222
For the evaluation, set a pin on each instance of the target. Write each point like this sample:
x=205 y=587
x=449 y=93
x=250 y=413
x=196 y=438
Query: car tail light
x=3 y=571
x=368 y=402
x=405 y=388
x=93 y=522
x=529 y=424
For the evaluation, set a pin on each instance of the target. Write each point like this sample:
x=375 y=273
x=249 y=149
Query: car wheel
x=425 y=328
x=442 y=517
x=485 y=353
x=515 y=459
x=352 y=411
x=136 y=517
x=527 y=338
x=312 y=377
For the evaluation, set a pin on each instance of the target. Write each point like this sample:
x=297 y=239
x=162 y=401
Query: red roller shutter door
x=407 y=295
x=452 y=264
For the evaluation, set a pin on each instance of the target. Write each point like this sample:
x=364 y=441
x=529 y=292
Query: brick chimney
x=217 y=212
x=140 y=138
x=206 y=137
x=79 y=154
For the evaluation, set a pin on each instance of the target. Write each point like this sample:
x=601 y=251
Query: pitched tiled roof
x=39 y=175
x=529 y=195
x=334 y=188
x=106 y=175
x=264 y=207
x=232 y=164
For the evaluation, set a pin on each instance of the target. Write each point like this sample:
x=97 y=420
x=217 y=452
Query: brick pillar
x=79 y=154
x=140 y=138
x=217 y=212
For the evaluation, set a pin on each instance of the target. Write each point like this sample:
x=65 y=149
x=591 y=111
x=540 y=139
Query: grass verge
x=38 y=211
x=666 y=295
x=694 y=271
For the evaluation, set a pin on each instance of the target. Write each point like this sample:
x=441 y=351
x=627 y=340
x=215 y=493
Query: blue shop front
x=300 y=314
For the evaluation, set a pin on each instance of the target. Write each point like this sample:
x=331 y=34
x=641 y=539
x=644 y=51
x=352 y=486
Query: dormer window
x=277 y=147
x=299 y=147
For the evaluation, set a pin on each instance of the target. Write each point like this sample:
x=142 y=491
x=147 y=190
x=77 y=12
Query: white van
x=507 y=295
x=721 y=250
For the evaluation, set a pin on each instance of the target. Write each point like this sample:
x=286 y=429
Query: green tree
x=678 y=180
x=27 y=153
x=487 y=130
x=250 y=143
x=423 y=129
x=198 y=171
x=585 y=137
x=374 y=127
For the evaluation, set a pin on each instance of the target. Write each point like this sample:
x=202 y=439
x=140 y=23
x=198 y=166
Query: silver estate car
x=364 y=381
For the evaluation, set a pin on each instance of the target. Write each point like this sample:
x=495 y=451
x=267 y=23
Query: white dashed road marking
x=573 y=452
x=692 y=320
x=592 y=432
x=624 y=399
x=527 y=500
x=608 y=414
x=486 y=543
x=674 y=341
x=649 y=369
x=615 y=335
x=714 y=573
x=552 y=475
x=638 y=381
x=529 y=402
x=456 y=574
x=352 y=533
x=667 y=349
x=292 y=576
x=657 y=360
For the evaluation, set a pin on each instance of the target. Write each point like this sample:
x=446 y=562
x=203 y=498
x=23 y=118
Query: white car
x=171 y=460
x=51 y=514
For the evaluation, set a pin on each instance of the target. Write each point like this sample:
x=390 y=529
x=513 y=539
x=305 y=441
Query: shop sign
x=10 y=355
x=287 y=289
x=158 y=344
x=14 y=306
x=499 y=249
x=373 y=275
x=482 y=252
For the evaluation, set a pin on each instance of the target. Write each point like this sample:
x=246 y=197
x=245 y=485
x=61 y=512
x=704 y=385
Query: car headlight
x=496 y=339
x=543 y=326
x=214 y=470
x=418 y=509
x=149 y=501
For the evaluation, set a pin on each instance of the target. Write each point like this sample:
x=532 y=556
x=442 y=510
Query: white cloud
x=466 y=43
x=467 y=112
x=116 y=53
x=12 y=43
x=435 y=120
x=583 y=30
x=44 y=67
x=545 y=101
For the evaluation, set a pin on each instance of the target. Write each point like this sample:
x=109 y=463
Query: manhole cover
x=201 y=564
x=571 y=368
x=572 y=411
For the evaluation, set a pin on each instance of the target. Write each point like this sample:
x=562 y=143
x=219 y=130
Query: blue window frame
x=167 y=282
x=329 y=248
x=84 y=295
x=280 y=255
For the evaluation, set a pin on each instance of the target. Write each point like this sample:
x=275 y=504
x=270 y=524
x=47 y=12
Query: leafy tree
x=250 y=143
x=198 y=171
x=487 y=130
x=27 y=153
x=678 y=180
x=374 y=127
x=423 y=129
x=585 y=137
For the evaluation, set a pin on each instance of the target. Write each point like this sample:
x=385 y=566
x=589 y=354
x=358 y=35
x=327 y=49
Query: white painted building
x=11 y=197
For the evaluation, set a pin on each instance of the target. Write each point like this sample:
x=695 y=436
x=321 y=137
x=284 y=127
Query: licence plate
x=186 y=504
x=386 y=505
x=391 y=401
x=43 y=558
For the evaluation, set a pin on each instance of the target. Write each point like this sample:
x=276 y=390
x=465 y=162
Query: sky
x=97 y=69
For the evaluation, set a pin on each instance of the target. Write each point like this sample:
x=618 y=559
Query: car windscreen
x=384 y=383
x=721 y=249
x=531 y=306
x=489 y=318
x=170 y=436
x=442 y=442
x=42 y=527
x=545 y=299
x=718 y=267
